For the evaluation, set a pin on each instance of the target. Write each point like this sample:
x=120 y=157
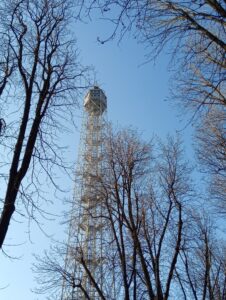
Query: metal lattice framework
x=85 y=241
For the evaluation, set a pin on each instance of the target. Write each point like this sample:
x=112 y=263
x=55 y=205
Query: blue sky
x=136 y=95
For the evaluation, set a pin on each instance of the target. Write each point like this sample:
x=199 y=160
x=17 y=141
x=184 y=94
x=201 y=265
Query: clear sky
x=136 y=95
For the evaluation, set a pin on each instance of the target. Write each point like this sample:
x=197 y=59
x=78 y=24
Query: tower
x=85 y=238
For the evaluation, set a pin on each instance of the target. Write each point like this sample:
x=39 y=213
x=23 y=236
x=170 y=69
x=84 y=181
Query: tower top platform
x=95 y=101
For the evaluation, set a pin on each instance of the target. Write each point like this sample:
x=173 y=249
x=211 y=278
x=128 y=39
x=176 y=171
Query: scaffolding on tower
x=85 y=248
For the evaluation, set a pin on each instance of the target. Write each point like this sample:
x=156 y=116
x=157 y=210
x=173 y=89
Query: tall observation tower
x=85 y=240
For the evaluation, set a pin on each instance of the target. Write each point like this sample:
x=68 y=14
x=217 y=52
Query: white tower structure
x=85 y=241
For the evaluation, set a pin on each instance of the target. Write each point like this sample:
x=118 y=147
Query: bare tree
x=52 y=274
x=6 y=59
x=211 y=152
x=194 y=32
x=145 y=194
x=45 y=80
x=146 y=212
x=201 y=273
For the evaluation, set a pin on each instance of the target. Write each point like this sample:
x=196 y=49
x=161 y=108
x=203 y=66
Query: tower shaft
x=85 y=241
